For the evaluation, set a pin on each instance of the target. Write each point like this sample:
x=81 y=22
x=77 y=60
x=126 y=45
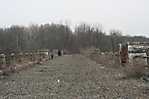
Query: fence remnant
x=129 y=52
x=9 y=60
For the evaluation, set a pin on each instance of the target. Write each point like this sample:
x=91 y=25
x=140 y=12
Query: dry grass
x=70 y=77
x=137 y=69
x=99 y=57
x=134 y=71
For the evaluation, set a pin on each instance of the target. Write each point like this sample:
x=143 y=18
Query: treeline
x=59 y=36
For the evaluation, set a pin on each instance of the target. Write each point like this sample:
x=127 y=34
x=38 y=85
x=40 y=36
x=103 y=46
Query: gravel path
x=71 y=77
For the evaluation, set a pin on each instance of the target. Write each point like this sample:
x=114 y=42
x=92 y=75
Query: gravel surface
x=71 y=77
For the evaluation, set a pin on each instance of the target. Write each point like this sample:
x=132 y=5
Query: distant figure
x=52 y=56
x=59 y=53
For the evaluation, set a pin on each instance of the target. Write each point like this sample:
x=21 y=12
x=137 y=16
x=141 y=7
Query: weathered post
x=8 y=59
x=34 y=56
x=26 y=56
x=124 y=54
x=2 y=60
x=31 y=56
x=147 y=53
x=19 y=57
x=12 y=60
x=39 y=57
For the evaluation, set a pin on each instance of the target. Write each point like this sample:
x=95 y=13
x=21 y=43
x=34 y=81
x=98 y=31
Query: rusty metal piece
x=132 y=50
x=124 y=54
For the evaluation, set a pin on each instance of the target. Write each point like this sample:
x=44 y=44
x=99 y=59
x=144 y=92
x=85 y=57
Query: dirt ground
x=72 y=77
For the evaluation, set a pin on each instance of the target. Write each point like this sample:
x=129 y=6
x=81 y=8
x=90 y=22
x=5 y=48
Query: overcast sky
x=129 y=16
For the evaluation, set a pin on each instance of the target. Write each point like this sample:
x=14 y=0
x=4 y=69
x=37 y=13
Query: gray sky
x=129 y=16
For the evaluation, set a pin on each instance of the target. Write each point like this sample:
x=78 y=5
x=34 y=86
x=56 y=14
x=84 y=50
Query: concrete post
x=13 y=58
